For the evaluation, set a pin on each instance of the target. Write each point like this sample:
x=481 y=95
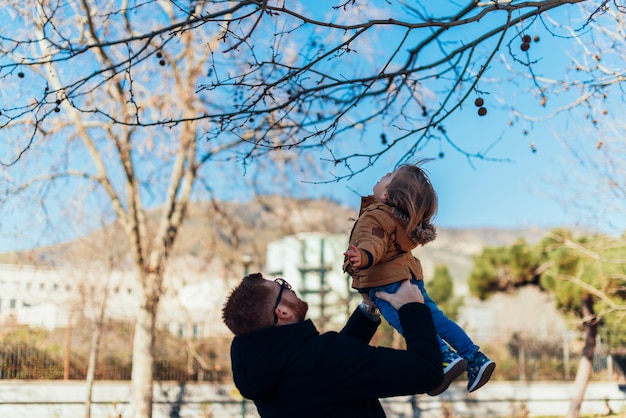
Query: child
x=391 y=223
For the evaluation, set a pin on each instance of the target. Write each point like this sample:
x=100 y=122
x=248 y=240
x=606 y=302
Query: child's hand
x=354 y=256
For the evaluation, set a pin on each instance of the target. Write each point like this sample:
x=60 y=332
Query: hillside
x=219 y=234
x=223 y=231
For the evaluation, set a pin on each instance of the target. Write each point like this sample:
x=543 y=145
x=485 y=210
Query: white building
x=312 y=263
x=193 y=300
x=53 y=298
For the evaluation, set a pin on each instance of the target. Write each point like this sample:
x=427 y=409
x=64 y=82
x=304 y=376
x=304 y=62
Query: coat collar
x=259 y=358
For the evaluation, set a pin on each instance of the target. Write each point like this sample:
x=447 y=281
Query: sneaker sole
x=455 y=369
x=483 y=376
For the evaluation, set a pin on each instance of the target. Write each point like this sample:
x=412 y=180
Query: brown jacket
x=379 y=232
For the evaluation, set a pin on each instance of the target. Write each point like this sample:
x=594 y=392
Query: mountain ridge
x=227 y=230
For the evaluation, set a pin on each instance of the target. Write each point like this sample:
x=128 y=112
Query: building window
x=181 y=330
x=12 y=303
x=196 y=330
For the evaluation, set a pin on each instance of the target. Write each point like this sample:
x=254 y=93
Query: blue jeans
x=449 y=333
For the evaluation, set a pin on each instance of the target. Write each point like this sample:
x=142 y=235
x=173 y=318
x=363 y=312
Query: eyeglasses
x=283 y=285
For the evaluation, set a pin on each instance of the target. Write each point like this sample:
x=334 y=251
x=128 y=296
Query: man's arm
x=360 y=326
x=358 y=370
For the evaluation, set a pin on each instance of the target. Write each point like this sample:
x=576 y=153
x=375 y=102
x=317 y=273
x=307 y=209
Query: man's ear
x=284 y=314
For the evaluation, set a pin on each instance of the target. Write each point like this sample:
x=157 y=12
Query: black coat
x=292 y=371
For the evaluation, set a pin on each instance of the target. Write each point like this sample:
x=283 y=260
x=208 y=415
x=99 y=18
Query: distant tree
x=441 y=289
x=586 y=275
x=503 y=269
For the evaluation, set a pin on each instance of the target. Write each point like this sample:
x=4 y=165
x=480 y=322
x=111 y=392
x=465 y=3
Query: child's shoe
x=479 y=372
x=453 y=366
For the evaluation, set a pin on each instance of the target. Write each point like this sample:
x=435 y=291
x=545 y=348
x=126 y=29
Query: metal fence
x=207 y=361
x=38 y=355
x=27 y=353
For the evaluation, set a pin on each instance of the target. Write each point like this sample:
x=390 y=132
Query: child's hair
x=248 y=307
x=414 y=200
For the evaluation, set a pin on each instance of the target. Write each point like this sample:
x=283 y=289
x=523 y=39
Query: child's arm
x=368 y=241
x=354 y=255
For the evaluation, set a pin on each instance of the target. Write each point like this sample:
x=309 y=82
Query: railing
x=20 y=361
x=47 y=399
x=63 y=355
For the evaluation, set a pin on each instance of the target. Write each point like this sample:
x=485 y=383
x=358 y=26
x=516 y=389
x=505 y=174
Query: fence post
x=68 y=344
x=417 y=412
x=565 y=357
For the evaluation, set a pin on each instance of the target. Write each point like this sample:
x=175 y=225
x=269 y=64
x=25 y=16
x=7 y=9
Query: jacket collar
x=372 y=201
x=259 y=358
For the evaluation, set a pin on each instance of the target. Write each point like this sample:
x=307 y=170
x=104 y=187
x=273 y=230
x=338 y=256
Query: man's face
x=288 y=298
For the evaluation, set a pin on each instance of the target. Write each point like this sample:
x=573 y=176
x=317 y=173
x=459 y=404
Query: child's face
x=380 y=188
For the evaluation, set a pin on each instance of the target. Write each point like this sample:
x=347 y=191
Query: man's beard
x=300 y=308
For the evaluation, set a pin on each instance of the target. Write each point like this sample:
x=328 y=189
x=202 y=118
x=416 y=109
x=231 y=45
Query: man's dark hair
x=249 y=306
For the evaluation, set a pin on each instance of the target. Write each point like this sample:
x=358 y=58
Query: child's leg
x=479 y=366
x=386 y=310
x=448 y=329
x=389 y=312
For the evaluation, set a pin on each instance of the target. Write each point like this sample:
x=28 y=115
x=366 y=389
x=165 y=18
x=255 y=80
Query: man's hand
x=354 y=256
x=407 y=293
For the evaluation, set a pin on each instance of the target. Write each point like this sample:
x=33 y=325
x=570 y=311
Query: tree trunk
x=91 y=368
x=93 y=354
x=143 y=355
x=586 y=362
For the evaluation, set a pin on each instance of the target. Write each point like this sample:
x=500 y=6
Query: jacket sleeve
x=358 y=370
x=360 y=327
x=372 y=235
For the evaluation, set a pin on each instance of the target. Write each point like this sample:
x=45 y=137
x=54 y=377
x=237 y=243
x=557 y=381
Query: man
x=288 y=369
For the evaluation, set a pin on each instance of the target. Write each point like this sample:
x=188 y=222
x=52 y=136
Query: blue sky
x=519 y=189
x=523 y=190
x=546 y=188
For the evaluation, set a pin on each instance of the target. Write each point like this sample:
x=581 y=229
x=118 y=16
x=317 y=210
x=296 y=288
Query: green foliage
x=566 y=266
x=29 y=353
x=504 y=268
x=441 y=290
x=112 y=367
x=22 y=361
x=483 y=279
x=524 y=262
x=441 y=287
